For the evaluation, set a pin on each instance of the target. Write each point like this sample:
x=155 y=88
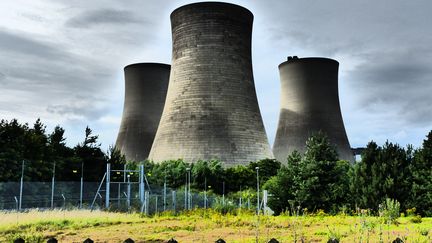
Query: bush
x=389 y=210
x=411 y=211
x=416 y=219
x=224 y=208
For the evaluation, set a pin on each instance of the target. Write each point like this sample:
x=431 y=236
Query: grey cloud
x=14 y=42
x=400 y=82
x=84 y=109
x=51 y=74
x=30 y=63
x=103 y=16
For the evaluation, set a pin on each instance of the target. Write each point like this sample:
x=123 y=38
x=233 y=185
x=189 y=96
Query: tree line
x=318 y=180
x=40 y=151
x=314 y=180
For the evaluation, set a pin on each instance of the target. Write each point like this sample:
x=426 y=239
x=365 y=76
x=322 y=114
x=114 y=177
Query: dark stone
x=19 y=240
x=172 y=241
x=398 y=240
x=52 y=240
x=220 y=241
x=332 y=240
x=273 y=240
x=129 y=240
x=88 y=240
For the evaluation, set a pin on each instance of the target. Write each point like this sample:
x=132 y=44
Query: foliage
x=389 y=210
x=317 y=180
x=314 y=180
x=225 y=207
x=41 y=151
x=421 y=171
x=394 y=172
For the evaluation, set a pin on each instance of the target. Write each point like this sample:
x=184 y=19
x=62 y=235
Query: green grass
x=206 y=226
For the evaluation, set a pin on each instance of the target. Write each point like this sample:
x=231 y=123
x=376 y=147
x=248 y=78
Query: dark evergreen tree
x=421 y=187
x=267 y=168
x=322 y=180
x=240 y=177
x=92 y=157
x=382 y=173
x=318 y=180
x=284 y=187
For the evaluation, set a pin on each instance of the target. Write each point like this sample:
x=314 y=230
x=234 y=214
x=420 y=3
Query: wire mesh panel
x=124 y=196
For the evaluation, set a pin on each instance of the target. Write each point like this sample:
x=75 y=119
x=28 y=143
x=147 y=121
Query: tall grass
x=207 y=225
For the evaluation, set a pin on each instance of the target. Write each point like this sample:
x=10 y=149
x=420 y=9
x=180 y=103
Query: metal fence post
x=52 y=186
x=164 y=192
x=128 y=192
x=265 y=196
x=108 y=180
x=81 y=185
x=64 y=201
x=174 y=200
x=16 y=203
x=141 y=184
x=21 y=186
x=147 y=201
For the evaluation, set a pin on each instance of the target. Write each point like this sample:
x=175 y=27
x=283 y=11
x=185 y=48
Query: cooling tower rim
x=208 y=3
x=309 y=60
x=147 y=64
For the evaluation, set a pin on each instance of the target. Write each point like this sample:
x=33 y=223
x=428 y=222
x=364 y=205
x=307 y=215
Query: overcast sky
x=62 y=61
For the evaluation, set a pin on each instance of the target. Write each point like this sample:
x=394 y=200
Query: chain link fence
x=123 y=197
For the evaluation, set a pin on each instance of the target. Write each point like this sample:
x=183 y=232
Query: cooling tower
x=309 y=103
x=146 y=86
x=211 y=111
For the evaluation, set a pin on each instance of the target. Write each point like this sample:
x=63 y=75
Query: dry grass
x=204 y=226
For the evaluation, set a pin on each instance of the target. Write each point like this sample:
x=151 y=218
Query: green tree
x=421 y=187
x=382 y=173
x=283 y=187
x=321 y=182
x=12 y=144
x=315 y=181
x=267 y=168
x=239 y=178
x=115 y=158
x=91 y=155
x=174 y=171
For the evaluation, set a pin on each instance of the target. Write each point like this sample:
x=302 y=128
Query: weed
x=411 y=211
x=389 y=211
x=416 y=219
x=333 y=234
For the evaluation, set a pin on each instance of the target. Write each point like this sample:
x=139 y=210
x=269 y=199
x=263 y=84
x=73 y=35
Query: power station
x=146 y=86
x=211 y=110
x=309 y=103
x=205 y=107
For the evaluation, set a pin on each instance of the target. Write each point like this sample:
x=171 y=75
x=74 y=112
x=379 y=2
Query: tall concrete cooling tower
x=211 y=111
x=146 y=87
x=309 y=103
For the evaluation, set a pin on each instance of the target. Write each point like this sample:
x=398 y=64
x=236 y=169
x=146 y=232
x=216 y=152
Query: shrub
x=389 y=210
x=411 y=211
x=416 y=219
x=320 y=213
x=226 y=208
